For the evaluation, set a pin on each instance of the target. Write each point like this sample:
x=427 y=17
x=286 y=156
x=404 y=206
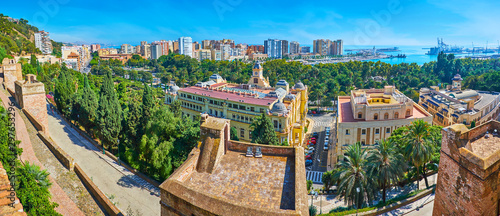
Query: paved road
x=112 y=179
x=320 y=155
x=425 y=211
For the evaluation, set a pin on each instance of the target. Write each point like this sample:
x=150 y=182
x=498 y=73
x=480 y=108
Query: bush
x=309 y=184
x=313 y=210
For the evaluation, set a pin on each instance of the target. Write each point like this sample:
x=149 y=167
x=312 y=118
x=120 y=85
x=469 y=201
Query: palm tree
x=418 y=148
x=41 y=176
x=355 y=183
x=386 y=165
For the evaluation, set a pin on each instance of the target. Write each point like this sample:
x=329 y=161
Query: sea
x=414 y=54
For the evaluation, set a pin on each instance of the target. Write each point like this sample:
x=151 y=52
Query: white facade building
x=186 y=46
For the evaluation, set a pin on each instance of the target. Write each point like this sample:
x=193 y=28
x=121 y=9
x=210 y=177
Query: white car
x=311 y=148
x=325 y=148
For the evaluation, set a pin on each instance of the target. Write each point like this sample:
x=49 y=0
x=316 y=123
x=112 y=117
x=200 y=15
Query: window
x=242 y=133
x=386 y=116
x=347 y=132
x=396 y=115
x=275 y=124
x=408 y=112
x=363 y=132
x=388 y=130
x=377 y=131
x=375 y=117
x=255 y=80
x=252 y=109
x=362 y=142
x=360 y=115
x=250 y=135
x=261 y=110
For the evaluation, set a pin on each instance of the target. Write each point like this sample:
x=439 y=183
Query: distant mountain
x=17 y=37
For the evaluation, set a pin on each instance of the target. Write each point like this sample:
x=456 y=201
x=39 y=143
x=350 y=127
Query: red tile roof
x=345 y=112
x=228 y=96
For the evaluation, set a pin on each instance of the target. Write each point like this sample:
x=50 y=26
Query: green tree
x=148 y=104
x=89 y=106
x=234 y=134
x=354 y=175
x=263 y=131
x=108 y=113
x=33 y=61
x=63 y=91
x=176 y=108
x=418 y=149
x=473 y=124
x=330 y=178
x=386 y=165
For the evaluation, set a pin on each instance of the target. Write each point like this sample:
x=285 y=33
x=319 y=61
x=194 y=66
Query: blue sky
x=361 y=22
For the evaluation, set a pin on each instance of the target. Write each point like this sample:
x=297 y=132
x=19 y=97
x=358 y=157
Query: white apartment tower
x=43 y=43
x=186 y=46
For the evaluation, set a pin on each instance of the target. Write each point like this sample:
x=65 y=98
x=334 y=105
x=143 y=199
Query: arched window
x=396 y=115
x=375 y=117
x=360 y=115
x=408 y=112
x=386 y=116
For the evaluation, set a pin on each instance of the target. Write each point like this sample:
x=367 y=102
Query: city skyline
x=366 y=23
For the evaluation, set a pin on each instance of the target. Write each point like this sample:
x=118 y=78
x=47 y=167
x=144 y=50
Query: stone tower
x=12 y=72
x=468 y=180
x=257 y=78
x=30 y=95
x=456 y=83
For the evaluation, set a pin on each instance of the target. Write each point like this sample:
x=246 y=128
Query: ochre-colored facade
x=220 y=177
x=241 y=103
x=371 y=115
x=456 y=106
x=468 y=180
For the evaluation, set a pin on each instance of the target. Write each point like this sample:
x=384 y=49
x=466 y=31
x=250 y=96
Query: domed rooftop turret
x=174 y=89
x=290 y=96
x=215 y=76
x=299 y=85
x=457 y=78
x=279 y=107
x=257 y=65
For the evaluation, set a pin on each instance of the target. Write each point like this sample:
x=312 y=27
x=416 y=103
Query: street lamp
x=357 y=199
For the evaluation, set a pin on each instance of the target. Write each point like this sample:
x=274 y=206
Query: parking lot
x=319 y=156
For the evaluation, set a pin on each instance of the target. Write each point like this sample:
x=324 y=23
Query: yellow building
x=242 y=103
x=457 y=106
x=371 y=115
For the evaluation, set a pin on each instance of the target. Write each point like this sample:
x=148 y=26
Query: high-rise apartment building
x=204 y=54
x=305 y=50
x=43 y=43
x=126 y=49
x=206 y=44
x=95 y=47
x=328 y=47
x=284 y=47
x=273 y=48
x=294 y=47
x=156 y=51
x=186 y=46
x=175 y=45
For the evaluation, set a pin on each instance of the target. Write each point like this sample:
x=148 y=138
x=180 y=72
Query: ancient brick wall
x=465 y=185
x=266 y=149
x=460 y=192
x=12 y=73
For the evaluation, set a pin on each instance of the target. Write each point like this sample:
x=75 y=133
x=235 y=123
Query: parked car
x=310 y=151
x=326 y=147
x=309 y=163
x=315 y=134
x=311 y=148
x=313 y=138
x=327 y=133
x=308 y=157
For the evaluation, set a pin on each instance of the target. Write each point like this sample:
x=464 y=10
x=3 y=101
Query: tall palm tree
x=418 y=148
x=386 y=165
x=353 y=177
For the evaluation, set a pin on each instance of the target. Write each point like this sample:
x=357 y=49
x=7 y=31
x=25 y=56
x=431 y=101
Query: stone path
x=128 y=190
x=66 y=205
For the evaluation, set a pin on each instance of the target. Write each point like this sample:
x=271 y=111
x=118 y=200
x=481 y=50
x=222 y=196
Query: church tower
x=258 y=76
